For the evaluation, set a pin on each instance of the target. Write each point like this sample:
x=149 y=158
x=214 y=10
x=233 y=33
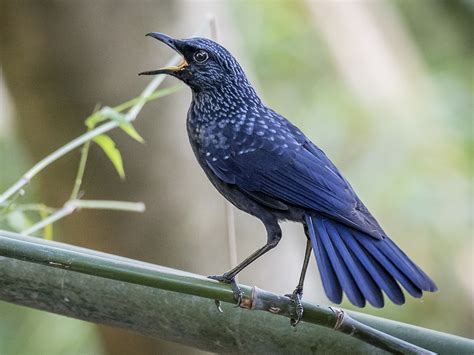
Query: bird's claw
x=238 y=293
x=296 y=299
x=218 y=305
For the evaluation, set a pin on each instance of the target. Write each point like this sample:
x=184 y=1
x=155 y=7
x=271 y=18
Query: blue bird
x=267 y=167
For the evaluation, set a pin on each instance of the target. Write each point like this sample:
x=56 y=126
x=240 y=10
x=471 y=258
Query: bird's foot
x=296 y=299
x=238 y=293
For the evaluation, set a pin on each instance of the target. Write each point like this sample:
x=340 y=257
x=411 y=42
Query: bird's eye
x=201 y=56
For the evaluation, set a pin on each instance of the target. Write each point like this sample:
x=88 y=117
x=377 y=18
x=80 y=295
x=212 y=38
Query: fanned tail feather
x=361 y=266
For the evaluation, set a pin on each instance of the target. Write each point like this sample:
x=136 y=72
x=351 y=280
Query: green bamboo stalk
x=172 y=316
x=74 y=259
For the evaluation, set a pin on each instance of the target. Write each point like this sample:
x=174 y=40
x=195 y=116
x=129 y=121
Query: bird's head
x=204 y=65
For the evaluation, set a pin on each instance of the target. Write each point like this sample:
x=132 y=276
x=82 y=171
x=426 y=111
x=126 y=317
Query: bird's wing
x=292 y=170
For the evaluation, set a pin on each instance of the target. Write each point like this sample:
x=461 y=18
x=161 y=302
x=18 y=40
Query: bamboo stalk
x=75 y=259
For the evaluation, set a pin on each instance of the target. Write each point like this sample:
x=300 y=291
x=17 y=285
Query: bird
x=266 y=166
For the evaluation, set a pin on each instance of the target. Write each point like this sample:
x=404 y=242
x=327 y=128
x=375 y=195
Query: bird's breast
x=218 y=136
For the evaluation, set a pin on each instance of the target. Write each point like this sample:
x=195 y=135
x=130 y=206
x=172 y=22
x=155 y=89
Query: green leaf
x=104 y=114
x=132 y=132
x=95 y=118
x=109 y=148
x=114 y=115
x=48 y=230
x=92 y=120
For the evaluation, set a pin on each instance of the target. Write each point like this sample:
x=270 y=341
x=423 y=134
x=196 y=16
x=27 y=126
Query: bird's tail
x=361 y=266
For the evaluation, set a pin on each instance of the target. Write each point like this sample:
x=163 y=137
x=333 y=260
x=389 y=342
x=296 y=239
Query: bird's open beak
x=171 y=42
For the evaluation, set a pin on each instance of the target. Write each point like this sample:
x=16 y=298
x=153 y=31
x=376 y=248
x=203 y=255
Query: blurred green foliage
x=26 y=331
x=446 y=42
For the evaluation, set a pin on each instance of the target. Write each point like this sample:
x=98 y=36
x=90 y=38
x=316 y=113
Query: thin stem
x=154 y=96
x=229 y=210
x=10 y=205
x=130 y=116
x=59 y=214
x=110 y=205
x=72 y=205
x=230 y=224
x=34 y=207
x=17 y=186
x=80 y=171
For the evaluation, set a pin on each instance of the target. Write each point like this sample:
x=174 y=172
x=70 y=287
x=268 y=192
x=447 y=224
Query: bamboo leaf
x=48 y=229
x=114 y=115
x=104 y=114
x=128 y=128
x=94 y=119
x=109 y=148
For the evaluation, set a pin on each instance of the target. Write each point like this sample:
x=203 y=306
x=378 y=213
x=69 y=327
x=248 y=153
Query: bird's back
x=263 y=154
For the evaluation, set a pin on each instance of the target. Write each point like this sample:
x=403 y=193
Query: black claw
x=218 y=305
x=296 y=299
x=238 y=293
x=219 y=278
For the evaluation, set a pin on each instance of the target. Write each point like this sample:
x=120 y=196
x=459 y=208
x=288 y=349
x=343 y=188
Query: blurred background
x=384 y=87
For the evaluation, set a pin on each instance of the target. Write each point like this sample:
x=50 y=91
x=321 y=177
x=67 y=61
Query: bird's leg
x=298 y=292
x=274 y=236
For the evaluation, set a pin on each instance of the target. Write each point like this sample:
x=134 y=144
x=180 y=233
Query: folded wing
x=294 y=172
